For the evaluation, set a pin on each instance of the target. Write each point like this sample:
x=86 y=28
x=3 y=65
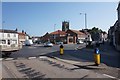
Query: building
x=22 y=37
x=45 y=38
x=74 y=36
x=103 y=36
x=88 y=35
x=114 y=32
x=58 y=36
x=68 y=37
x=117 y=30
x=65 y=26
x=8 y=39
x=36 y=39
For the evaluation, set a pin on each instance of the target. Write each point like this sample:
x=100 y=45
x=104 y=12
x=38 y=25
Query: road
x=36 y=50
x=110 y=58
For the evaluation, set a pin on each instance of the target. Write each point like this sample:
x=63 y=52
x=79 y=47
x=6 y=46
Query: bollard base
x=96 y=64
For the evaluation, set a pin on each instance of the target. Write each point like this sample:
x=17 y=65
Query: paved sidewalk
x=80 y=63
x=102 y=68
x=0 y=70
x=45 y=67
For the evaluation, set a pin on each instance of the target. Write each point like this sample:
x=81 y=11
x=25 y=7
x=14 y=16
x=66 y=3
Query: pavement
x=72 y=60
x=0 y=70
x=45 y=67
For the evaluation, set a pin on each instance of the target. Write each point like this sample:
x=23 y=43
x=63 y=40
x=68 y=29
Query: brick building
x=74 y=36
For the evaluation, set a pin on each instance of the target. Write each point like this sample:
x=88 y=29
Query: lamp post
x=54 y=34
x=85 y=19
x=85 y=24
x=3 y=22
x=54 y=26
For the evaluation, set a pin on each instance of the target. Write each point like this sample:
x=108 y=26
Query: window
x=8 y=35
x=8 y=42
x=14 y=41
x=71 y=40
x=2 y=41
x=14 y=35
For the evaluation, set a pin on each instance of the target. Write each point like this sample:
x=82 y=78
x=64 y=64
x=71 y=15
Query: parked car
x=28 y=42
x=48 y=44
x=59 y=43
x=80 y=42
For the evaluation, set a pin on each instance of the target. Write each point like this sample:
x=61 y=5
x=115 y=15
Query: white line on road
x=9 y=58
x=31 y=57
x=1 y=59
x=110 y=76
x=42 y=57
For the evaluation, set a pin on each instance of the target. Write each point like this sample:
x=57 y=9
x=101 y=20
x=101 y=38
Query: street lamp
x=54 y=26
x=85 y=19
x=85 y=25
x=3 y=22
x=54 y=34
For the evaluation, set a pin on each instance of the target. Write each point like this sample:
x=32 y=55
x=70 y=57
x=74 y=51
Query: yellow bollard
x=61 y=50
x=97 y=57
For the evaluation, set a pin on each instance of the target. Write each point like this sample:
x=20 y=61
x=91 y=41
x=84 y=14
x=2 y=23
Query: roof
x=77 y=32
x=8 y=31
x=20 y=33
x=59 y=32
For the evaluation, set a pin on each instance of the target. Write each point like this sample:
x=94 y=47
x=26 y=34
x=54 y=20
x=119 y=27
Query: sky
x=37 y=18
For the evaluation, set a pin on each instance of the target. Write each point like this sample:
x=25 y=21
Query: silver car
x=48 y=44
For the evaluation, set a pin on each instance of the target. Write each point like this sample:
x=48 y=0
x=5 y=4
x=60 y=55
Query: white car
x=28 y=42
x=48 y=44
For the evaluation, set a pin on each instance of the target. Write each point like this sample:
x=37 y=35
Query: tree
x=95 y=30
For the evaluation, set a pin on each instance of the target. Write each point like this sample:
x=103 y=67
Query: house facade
x=8 y=39
x=68 y=37
x=114 y=32
x=58 y=36
x=45 y=38
x=22 y=36
x=74 y=36
x=117 y=30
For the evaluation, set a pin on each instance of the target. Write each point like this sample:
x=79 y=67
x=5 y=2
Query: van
x=28 y=43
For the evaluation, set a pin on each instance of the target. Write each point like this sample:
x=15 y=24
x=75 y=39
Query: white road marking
x=31 y=57
x=42 y=57
x=110 y=76
x=1 y=59
x=9 y=59
x=32 y=47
